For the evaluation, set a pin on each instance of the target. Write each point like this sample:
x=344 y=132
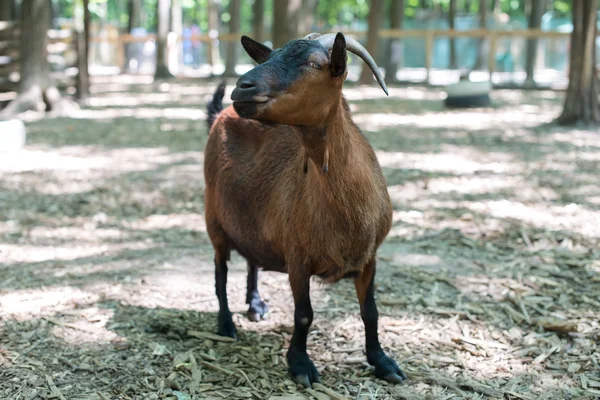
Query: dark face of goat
x=297 y=84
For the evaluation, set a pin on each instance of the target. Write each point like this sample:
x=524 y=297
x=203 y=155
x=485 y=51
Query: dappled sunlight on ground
x=487 y=286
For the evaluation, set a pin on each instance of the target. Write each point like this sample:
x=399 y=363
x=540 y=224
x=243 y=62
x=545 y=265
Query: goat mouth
x=249 y=108
x=253 y=100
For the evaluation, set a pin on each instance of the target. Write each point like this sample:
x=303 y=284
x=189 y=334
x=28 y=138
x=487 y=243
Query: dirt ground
x=488 y=285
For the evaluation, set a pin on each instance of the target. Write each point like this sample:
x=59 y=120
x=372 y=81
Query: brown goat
x=293 y=186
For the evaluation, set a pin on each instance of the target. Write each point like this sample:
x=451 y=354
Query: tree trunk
x=162 y=33
x=394 y=53
x=281 y=22
x=497 y=10
x=482 y=25
x=535 y=22
x=306 y=16
x=258 y=20
x=135 y=13
x=287 y=20
x=213 y=31
x=7 y=12
x=451 y=20
x=36 y=91
x=102 y=49
x=34 y=45
x=83 y=43
x=582 y=101
x=175 y=50
x=232 y=46
x=375 y=16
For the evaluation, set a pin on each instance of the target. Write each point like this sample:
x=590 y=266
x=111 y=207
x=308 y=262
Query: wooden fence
x=63 y=42
x=492 y=37
x=63 y=55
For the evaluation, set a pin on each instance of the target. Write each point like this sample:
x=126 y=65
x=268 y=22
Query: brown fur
x=327 y=221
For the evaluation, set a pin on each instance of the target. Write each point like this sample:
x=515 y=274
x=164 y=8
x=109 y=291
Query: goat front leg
x=301 y=368
x=226 y=325
x=257 y=308
x=385 y=367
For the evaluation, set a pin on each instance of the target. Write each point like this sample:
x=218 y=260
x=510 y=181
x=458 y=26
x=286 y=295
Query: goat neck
x=328 y=144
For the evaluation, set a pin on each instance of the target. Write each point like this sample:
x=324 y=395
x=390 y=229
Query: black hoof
x=387 y=369
x=226 y=326
x=302 y=370
x=257 y=310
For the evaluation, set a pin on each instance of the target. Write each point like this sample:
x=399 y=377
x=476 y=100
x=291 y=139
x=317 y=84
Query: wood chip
x=54 y=389
x=210 y=336
x=216 y=367
x=318 y=395
x=556 y=325
x=329 y=392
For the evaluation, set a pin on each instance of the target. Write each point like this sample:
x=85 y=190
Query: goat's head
x=299 y=83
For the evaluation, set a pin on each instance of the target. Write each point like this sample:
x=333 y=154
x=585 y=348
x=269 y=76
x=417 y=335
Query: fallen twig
x=210 y=336
x=329 y=392
x=215 y=367
x=69 y=325
x=53 y=388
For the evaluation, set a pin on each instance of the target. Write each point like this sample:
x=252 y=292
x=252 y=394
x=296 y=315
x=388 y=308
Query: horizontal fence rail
x=428 y=35
x=63 y=40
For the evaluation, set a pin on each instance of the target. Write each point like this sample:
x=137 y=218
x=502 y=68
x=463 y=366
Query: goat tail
x=215 y=105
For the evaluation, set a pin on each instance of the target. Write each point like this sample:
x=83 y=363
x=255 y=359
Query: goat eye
x=314 y=65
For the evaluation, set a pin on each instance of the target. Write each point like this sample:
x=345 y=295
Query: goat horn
x=356 y=48
x=311 y=36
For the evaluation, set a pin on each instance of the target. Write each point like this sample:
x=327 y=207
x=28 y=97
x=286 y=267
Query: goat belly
x=261 y=255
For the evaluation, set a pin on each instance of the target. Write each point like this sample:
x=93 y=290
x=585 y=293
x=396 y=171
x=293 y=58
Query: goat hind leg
x=257 y=307
x=385 y=367
x=226 y=325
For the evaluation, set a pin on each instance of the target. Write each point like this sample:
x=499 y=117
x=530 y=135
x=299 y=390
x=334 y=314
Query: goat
x=293 y=186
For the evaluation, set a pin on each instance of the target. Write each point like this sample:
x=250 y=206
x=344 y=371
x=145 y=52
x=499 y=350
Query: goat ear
x=338 y=55
x=257 y=51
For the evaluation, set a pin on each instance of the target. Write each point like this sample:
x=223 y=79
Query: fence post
x=492 y=55
x=428 y=54
x=121 y=53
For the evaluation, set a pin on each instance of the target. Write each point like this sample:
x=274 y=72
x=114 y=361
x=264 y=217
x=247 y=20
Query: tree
x=232 y=46
x=482 y=25
x=7 y=10
x=535 y=22
x=282 y=22
x=305 y=16
x=582 y=102
x=175 y=53
x=375 y=16
x=162 y=32
x=134 y=20
x=394 y=53
x=134 y=11
x=36 y=89
x=213 y=32
x=83 y=43
x=258 y=20
x=451 y=20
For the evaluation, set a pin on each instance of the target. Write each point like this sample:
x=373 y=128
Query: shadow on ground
x=487 y=284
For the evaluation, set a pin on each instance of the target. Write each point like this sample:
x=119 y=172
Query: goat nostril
x=246 y=85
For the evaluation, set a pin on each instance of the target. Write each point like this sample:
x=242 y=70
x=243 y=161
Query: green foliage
x=330 y=13
x=342 y=12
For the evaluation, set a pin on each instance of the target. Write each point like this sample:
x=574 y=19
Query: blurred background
x=522 y=43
